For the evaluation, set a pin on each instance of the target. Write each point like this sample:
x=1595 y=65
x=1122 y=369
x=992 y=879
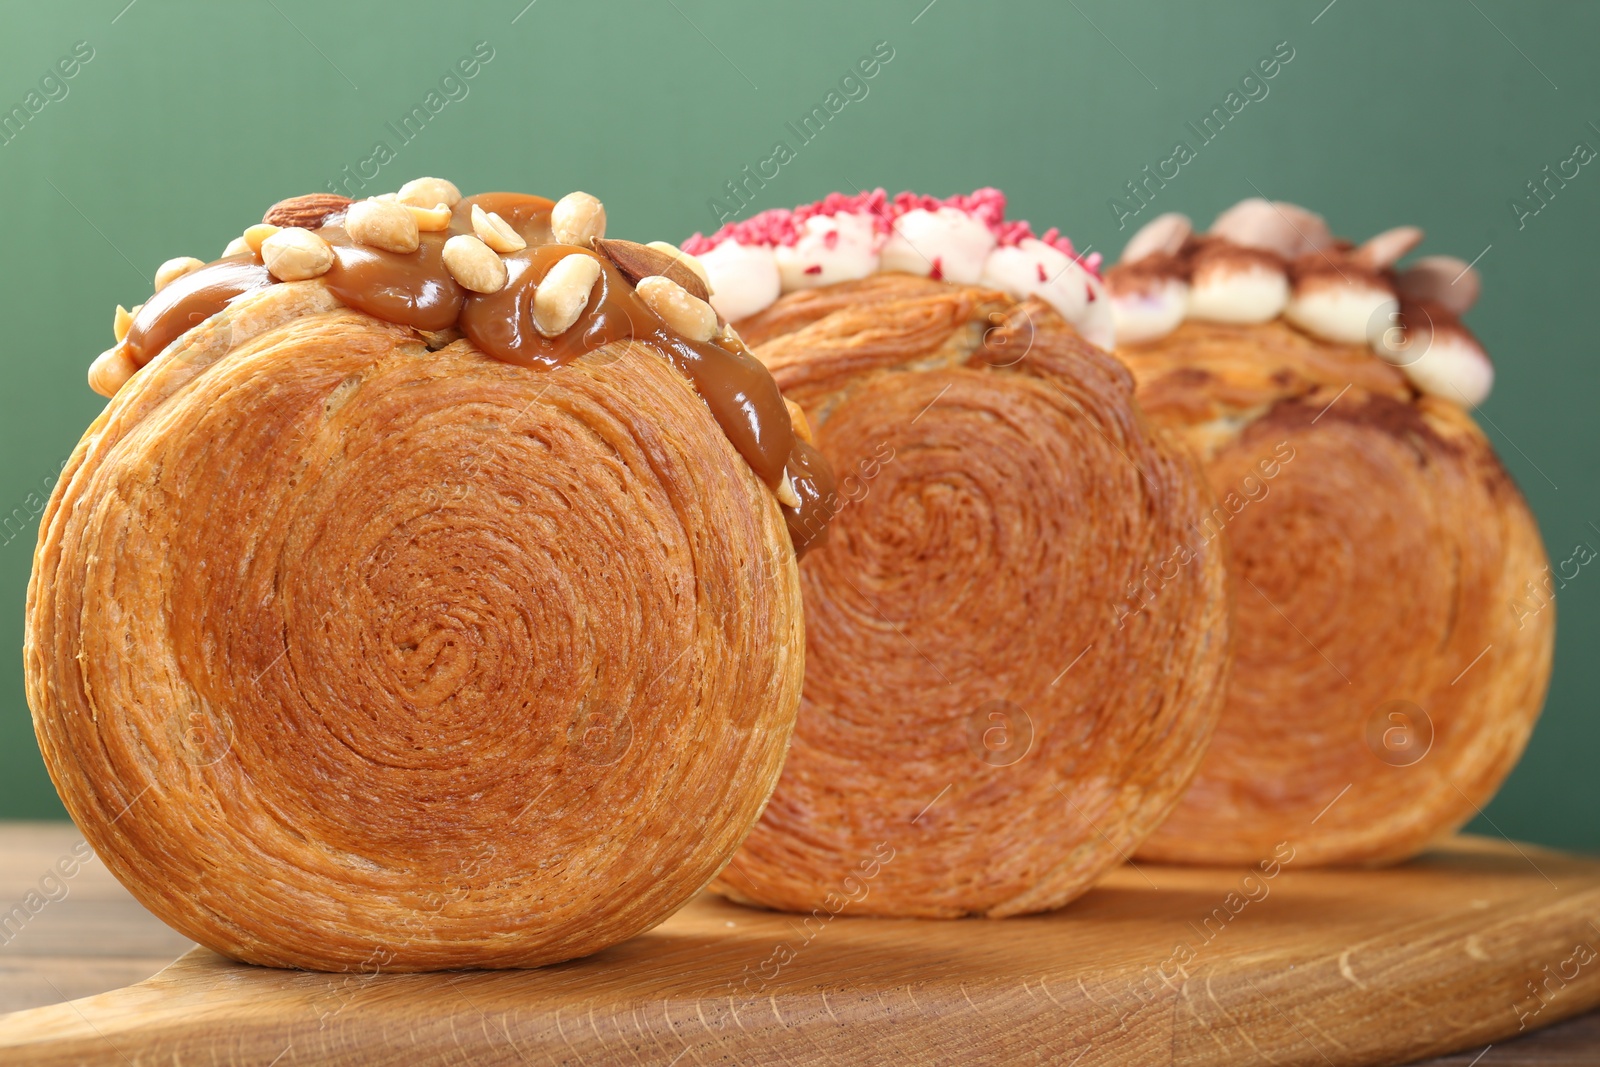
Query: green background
x=192 y=117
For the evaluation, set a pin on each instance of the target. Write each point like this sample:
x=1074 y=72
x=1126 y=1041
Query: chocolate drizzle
x=415 y=289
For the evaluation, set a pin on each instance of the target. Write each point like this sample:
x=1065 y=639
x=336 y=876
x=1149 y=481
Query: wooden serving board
x=1157 y=965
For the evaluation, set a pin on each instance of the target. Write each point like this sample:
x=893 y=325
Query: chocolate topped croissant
x=425 y=597
x=1387 y=664
x=980 y=731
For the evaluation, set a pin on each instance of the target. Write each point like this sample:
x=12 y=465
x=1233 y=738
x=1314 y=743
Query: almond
x=308 y=212
x=1285 y=230
x=1164 y=234
x=694 y=264
x=1388 y=247
x=1445 y=280
x=637 y=261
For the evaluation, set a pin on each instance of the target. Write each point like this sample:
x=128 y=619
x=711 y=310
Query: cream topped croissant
x=1385 y=678
x=978 y=734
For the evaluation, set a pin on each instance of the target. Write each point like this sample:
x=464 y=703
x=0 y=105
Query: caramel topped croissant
x=980 y=731
x=385 y=621
x=1387 y=666
x=528 y=281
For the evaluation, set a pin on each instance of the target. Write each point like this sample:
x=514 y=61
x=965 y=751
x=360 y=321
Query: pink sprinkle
x=815 y=268
x=986 y=205
x=1012 y=233
x=830 y=240
x=1040 y=268
x=773 y=227
x=937 y=273
x=1089 y=292
x=874 y=203
x=778 y=226
x=1053 y=238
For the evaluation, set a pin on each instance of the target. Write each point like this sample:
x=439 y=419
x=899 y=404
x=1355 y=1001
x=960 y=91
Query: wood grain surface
x=92 y=938
x=1306 y=967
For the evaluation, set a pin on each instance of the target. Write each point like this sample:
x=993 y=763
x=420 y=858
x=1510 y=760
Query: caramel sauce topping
x=191 y=300
x=415 y=289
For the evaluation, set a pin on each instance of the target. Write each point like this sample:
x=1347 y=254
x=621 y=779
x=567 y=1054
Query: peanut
x=111 y=370
x=474 y=264
x=425 y=192
x=382 y=224
x=564 y=293
x=175 y=268
x=430 y=219
x=294 y=254
x=688 y=315
x=577 y=219
x=258 y=233
x=798 y=421
x=786 y=492
x=496 y=232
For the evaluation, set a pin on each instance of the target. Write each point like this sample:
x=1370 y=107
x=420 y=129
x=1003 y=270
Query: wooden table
x=92 y=937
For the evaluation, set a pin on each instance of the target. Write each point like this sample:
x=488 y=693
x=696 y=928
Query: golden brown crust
x=1384 y=680
x=346 y=654
x=805 y=306
x=1205 y=370
x=981 y=732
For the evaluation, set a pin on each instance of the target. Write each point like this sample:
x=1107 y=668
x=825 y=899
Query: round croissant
x=351 y=647
x=985 y=728
x=1393 y=629
x=1388 y=660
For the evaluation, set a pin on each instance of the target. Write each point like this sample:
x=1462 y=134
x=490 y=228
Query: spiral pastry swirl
x=1384 y=679
x=346 y=653
x=979 y=732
